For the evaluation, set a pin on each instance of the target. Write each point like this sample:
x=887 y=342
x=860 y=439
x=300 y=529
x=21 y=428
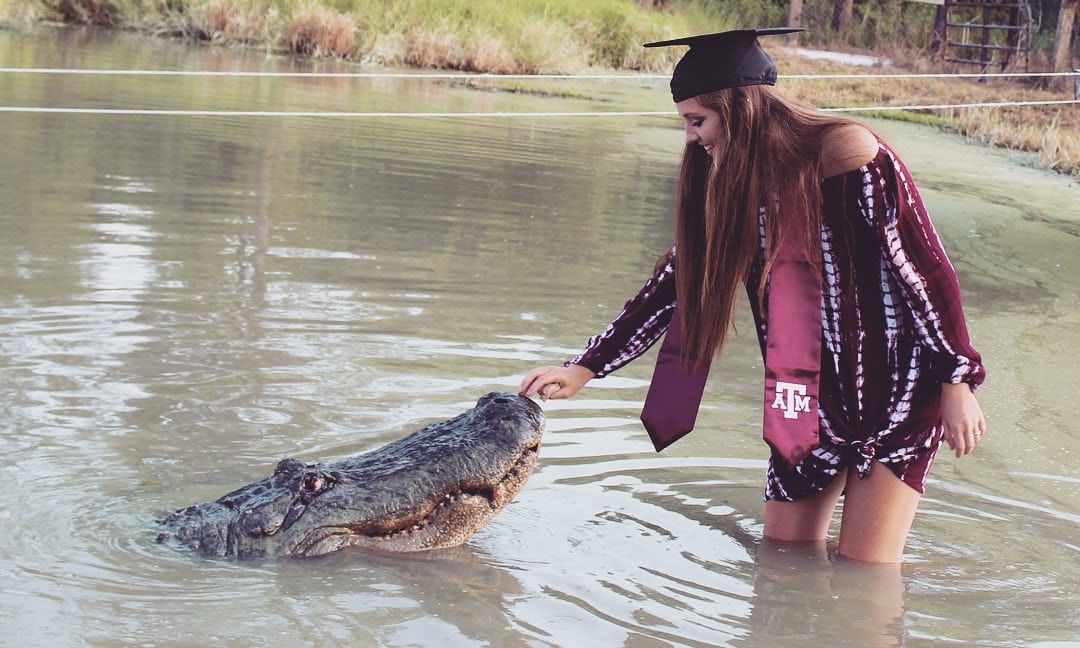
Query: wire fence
x=460 y=76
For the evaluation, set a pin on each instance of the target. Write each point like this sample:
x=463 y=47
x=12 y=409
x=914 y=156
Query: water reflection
x=184 y=301
x=801 y=595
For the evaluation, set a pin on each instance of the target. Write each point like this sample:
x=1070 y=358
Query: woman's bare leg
x=807 y=519
x=878 y=513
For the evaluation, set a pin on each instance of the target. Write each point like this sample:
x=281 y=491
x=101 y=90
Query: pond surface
x=185 y=300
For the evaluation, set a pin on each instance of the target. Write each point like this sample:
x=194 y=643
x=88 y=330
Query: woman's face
x=703 y=125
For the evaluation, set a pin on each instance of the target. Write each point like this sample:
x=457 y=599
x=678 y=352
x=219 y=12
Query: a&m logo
x=792 y=398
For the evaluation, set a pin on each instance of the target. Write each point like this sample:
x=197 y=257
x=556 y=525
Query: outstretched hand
x=962 y=418
x=555 y=382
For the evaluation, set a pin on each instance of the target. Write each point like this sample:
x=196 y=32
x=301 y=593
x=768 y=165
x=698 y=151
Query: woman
x=856 y=304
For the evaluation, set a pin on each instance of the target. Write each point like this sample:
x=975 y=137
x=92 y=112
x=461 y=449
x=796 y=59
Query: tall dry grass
x=318 y=31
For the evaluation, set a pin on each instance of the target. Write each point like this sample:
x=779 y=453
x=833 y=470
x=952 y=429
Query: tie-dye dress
x=893 y=331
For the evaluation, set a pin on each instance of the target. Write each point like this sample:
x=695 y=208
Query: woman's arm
x=641 y=323
x=932 y=293
x=919 y=263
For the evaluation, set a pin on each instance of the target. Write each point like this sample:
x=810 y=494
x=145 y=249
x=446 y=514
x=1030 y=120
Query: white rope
x=1000 y=104
x=496 y=77
x=451 y=115
x=933 y=75
x=287 y=113
x=332 y=75
x=484 y=76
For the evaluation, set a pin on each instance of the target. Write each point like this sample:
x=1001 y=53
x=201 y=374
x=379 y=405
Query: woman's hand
x=555 y=382
x=962 y=418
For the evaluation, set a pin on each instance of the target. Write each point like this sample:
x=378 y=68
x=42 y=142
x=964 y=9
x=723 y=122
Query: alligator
x=430 y=490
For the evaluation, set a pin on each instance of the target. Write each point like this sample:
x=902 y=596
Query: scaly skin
x=429 y=490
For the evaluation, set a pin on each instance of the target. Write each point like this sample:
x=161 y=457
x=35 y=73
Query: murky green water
x=187 y=299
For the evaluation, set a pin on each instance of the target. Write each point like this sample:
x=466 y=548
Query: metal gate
x=988 y=34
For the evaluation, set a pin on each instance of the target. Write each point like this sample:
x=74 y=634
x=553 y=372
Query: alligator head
x=429 y=490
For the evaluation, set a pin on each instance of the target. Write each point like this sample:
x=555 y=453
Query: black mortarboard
x=725 y=60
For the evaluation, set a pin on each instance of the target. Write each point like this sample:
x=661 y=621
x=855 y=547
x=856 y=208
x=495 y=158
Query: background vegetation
x=521 y=36
x=568 y=36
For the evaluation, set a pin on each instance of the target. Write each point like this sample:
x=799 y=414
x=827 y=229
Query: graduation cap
x=724 y=60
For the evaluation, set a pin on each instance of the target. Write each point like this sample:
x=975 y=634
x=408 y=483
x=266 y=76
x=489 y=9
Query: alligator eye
x=314 y=483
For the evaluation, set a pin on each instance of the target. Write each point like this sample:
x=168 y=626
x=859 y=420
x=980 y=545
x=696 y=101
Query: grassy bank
x=1050 y=132
x=569 y=36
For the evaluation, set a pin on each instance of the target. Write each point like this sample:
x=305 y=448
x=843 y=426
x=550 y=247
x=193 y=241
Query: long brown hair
x=769 y=159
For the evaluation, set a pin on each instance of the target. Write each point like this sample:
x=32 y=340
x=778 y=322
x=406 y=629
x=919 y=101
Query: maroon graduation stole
x=671 y=406
x=792 y=354
x=792 y=366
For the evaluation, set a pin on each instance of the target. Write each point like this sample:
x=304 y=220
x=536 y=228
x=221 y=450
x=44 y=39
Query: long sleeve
x=642 y=322
x=928 y=282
